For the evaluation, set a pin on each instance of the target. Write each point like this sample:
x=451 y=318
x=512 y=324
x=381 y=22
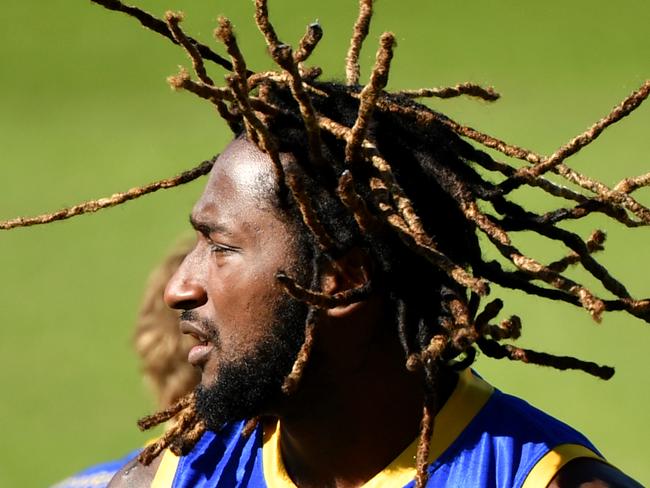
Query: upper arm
x=591 y=473
x=135 y=475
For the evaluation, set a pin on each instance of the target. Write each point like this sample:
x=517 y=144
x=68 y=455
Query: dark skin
x=357 y=366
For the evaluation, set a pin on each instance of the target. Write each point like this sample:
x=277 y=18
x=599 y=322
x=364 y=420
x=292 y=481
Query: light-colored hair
x=158 y=341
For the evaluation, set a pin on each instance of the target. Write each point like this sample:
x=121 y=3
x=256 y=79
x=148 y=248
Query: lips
x=198 y=355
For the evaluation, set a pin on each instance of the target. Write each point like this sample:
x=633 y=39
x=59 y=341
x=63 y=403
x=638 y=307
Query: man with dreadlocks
x=337 y=283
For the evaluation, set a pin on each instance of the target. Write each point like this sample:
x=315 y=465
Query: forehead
x=241 y=180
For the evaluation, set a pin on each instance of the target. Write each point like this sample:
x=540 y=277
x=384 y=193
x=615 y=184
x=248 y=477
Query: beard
x=248 y=386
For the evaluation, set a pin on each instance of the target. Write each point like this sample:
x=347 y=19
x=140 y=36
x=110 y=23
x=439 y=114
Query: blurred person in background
x=162 y=350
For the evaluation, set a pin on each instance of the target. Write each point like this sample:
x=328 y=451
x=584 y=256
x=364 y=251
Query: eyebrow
x=207 y=228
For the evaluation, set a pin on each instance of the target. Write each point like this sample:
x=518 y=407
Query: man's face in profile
x=249 y=330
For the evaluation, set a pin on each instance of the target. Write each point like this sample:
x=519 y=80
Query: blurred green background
x=85 y=112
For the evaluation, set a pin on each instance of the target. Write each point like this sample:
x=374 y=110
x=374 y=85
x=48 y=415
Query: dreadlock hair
x=377 y=171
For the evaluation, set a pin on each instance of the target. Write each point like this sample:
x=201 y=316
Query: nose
x=184 y=290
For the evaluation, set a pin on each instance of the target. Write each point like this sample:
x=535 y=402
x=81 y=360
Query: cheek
x=242 y=298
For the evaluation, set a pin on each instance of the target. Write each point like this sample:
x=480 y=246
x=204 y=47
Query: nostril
x=184 y=294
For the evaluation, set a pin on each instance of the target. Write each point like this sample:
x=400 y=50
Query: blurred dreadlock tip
x=413 y=363
x=288 y=387
x=224 y=30
x=176 y=82
x=388 y=40
x=312 y=73
x=482 y=287
x=316 y=30
x=599 y=236
x=597 y=316
x=171 y=16
x=492 y=94
x=346 y=176
x=607 y=372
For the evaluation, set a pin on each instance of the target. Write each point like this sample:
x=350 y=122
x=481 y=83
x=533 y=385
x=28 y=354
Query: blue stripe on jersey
x=498 y=447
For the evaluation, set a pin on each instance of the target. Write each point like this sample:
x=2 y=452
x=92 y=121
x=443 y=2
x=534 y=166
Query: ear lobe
x=343 y=274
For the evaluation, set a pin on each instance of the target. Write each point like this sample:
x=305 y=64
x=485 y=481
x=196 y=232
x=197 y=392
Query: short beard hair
x=247 y=387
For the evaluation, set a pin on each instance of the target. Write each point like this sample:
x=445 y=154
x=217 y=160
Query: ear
x=348 y=272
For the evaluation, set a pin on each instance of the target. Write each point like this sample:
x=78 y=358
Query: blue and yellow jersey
x=483 y=438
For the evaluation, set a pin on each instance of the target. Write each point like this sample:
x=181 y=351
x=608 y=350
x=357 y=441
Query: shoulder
x=135 y=475
x=515 y=444
x=591 y=473
x=98 y=475
x=218 y=457
x=552 y=453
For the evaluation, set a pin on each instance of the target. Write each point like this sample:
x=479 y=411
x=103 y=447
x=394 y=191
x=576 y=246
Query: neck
x=350 y=419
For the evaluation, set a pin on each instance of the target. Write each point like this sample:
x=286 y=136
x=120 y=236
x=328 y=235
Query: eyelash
x=219 y=249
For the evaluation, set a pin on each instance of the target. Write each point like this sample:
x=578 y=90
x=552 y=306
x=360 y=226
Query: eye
x=220 y=249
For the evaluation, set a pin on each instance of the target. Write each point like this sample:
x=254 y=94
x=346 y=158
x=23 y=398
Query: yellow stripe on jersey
x=547 y=467
x=469 y=396
x=166 y=470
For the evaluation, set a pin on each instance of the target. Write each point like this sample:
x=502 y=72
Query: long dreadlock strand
x=181 y=445
x=470 y=89
x=490 y=311
x=585 y=206
x=427 y=118
x=282 y=55
x=182 y=80
x=366 y=221
x=292 y=381
x=173 y=20
x=255 y=130
x=308 y=43
x=628 y=185
x=368 y=96
x=524 y=220
x=425 y=246
x=637 y=308
x=307 y=211
x=413 y=359
x=225 y=34
x=424 y=442
x=429 y=408
x=112 y=201
x=424 y=117
x=239 y=86
x=264 y=25
x=407 y=224
x=180 y=437
x=258 y=131
x=359 y=34
x=593 y=244
x=319 y=299
x=589 y=206
x=159 y=26
x=626 y=107
x=499 y=237
x=587 y=300
x=149 y=421
x=209 y=92
x=604 y=192
x=493 y=349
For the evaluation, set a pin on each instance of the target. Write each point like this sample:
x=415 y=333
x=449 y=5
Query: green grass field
x=85 y=112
